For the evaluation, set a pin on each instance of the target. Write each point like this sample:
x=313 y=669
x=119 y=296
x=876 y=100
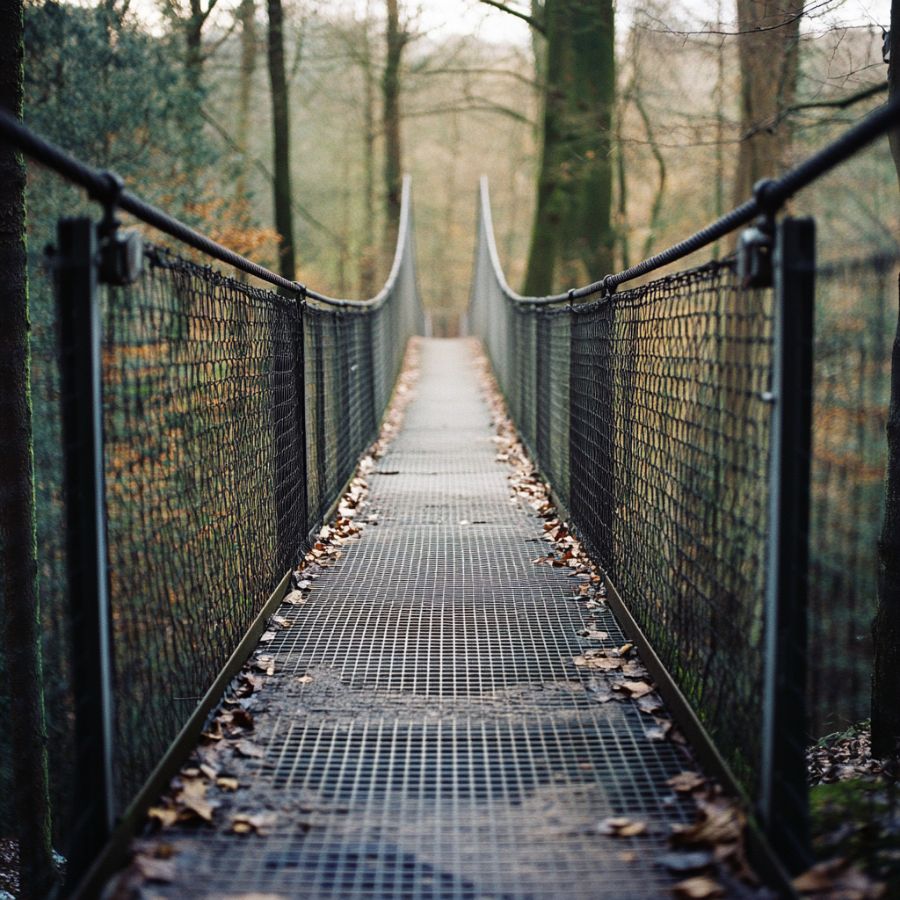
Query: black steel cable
x=769 y=196
x=106 y=188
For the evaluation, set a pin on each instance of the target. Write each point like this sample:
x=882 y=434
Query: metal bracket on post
x=783 y=796
x=756 y=243
x=78 y=311
x=121 y=252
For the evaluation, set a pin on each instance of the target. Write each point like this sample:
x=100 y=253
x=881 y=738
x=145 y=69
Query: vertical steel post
x=374 y=418
x=78 y=310
x=321 y=442
x=300 y=422
x=342 y=412
x=783 y=798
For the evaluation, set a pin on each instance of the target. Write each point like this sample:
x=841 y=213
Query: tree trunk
x=247 y=17
x=18 y=543
x=284 y=222
x=368 y=258
x=390 y=87
x=572 y=237
x=886 y=627
x=768 y=53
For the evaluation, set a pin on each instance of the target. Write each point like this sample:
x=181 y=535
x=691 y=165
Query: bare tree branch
x=841 y=102
x=479 y=105
x=537 y=26
x=703 y=32
x=838 y=103
x=483 y=71
x=268 y=174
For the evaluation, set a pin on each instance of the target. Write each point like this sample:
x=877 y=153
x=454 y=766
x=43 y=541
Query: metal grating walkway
x=445 y=746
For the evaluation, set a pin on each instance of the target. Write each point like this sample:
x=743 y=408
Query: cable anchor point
x=121 y=252
x=757 y=241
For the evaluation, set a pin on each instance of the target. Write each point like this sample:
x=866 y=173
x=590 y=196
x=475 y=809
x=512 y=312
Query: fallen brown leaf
x=619 y=826
x=152 y=869
x=836 y=878
x=649 y=703
x=162 y=814
x=722 y=822
x=192 y=801
x=249 y=749
x=636 y=689
x=604 y=663
x=698 y=888
x=685 y=782
x=261 y=823
x=593 y=635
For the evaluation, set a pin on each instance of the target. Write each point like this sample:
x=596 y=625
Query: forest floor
x=855 y=801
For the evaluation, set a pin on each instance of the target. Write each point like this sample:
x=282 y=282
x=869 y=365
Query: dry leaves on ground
x=839 y=880
x=620 y=826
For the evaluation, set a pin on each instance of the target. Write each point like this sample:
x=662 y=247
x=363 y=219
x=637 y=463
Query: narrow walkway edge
x=419 y=728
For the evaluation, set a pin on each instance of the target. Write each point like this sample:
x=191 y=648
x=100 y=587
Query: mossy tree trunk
x=18 y=546
x=886 y=627
x=284 y=214
x=396 y=39
x=572 y=237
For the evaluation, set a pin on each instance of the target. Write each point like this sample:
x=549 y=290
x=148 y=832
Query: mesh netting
x=233 y=417
x=645 y=413
x=856 y=316
x=648 y=414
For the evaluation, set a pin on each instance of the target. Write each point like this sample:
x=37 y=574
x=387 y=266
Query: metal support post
x=374 y=417
x=321 y=443
x=300 y=422
x=78 y=311
x=783 y=798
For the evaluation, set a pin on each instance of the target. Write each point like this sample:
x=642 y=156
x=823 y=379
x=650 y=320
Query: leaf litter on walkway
x=220 y=772
x=710 y=850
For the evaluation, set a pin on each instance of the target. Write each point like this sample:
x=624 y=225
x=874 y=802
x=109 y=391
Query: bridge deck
x=425 y=733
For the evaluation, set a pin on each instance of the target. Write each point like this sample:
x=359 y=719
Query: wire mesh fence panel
x=204 y=486
x=670 y=430
x=855 y=318
x=648 y=413
x=657 y=418
x=231 y=418
x=553 y=401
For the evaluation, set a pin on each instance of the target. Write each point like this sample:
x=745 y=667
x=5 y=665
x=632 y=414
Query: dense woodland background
x=176 y=97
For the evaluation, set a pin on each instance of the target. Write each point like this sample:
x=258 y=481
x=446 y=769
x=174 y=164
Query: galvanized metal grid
x=426 y=733
x=648 y=413
x=232 y=418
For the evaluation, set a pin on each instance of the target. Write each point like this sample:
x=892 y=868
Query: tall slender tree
x=572 y=237
x=886 y=627
x=281 y=132
x=246 y=14
x=191 y=19
x=368 y=266
x=18 y=545
x=768 y=51
x=396 y=39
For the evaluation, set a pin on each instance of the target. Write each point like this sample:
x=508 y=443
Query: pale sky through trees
x=446 y=17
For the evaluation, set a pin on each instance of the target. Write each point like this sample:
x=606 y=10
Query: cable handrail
x=107 y=188
x=769 y=196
